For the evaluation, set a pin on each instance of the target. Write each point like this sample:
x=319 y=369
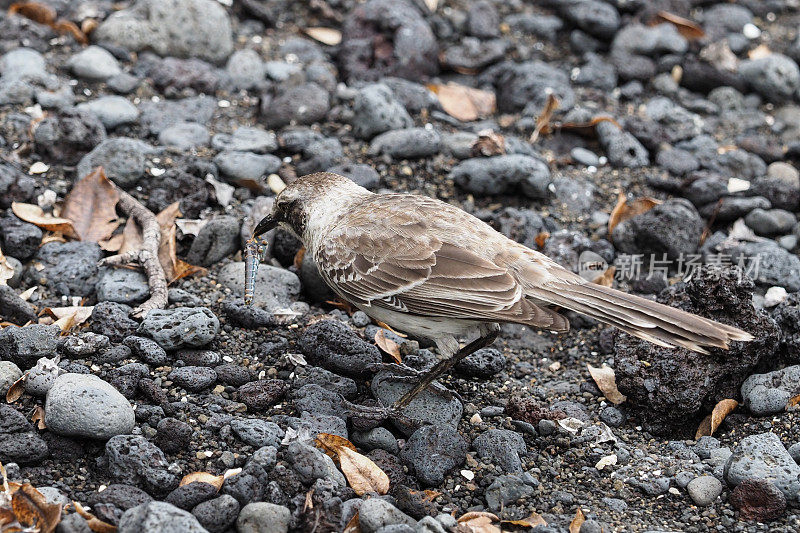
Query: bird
x=434 y=271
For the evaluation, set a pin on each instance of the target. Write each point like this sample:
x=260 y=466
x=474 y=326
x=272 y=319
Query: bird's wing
x=388 y=252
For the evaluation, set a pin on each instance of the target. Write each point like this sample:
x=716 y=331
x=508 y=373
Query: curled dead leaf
x=625 y=210
x=91 y=206
x=793 y=401
x=203 y=477
x=16 y=390
x=32 y=509
x=541 y=238
x=36 y=216
x=388 y=346
x=534 y=520
x=65 y=26
x=688 y=28
x=68 y=317
x=543 y=120
x=478 y=522
x=585 y=129
x=362 y=473
x=710 y=423
x=488 y=143
x=464 y=103
x=353 y=525
x=38 y=417
x=37 y=12
x=6 y=270
x=577 y=521
x=95 y=524
x=607 y=383
x=329 y=36
x=331 y=444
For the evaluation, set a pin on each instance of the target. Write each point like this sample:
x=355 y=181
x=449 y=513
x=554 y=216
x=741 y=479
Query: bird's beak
x=267 y=223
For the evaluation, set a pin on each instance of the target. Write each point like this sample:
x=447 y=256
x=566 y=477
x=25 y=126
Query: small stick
x=147 y=256
x=253 y=251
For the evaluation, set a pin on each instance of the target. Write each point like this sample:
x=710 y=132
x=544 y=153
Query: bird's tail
x=648 y=320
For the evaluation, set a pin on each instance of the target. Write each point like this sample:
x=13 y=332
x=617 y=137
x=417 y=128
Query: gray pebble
x=184 y=136
x=94 y=63
x=263 y=517
x=112 y=111
x=181 y=326
x=704 y=490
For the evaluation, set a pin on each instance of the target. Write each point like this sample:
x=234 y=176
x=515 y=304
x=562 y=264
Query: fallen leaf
x=203 y=477
x=388 y=346
x=6 y=270
x=65 y=26
x=541 y=238
x=222 y=191
x=577 y=522
x=607 y=383
x=759 y=51
x=689 y=29
x=329 y=36
x=362 y=473
x=27 y=293
x=190 y=227
x=91 y=206
x=488 y=143
x=464 y=103
x=32 y=509
x=95 y=524
x=89 y=25
x=544 y=118
x=68 y=317
x=353 y=525
x=534 y=520
x=36 y=215
x=387 y=327
x=309 y=501
x=331 y=444
x=625 y=210
x=38 y=417
x=432 y=5
x=607 y=460
x=710 y=423
x=478 y=522
x=606 y=279
x=41 y=13
x=112 y=244
x=15 y=390
x=793 y=401
x=298 y=258
x=585 y=129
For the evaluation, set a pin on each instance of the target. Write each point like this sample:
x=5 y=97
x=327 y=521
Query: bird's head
x=309 y=200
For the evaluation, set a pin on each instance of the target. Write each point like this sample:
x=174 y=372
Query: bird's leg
x=446 y=364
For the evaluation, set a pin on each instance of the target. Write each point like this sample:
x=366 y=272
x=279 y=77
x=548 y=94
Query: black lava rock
x=432 y=452
x=484 y=363
x=113 y=320
x=672 y=388
x=334 y=346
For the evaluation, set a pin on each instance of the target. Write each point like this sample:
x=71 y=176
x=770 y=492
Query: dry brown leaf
x=353 y=525
x=6 y=270
x=710 y=423
x=15 y=391
x=112 y=244
x=35 y=215
x=606 y=279
x=625 y=210
x=544 y=118
x=309 y=504
x=793 y=401
x=89 y=25
x=41 y=13
x=577 y=522
x=689 y=29
x=32 y=509
x=388 y=346
x=478 y=522
x=363 y=475
x=298 y=257
x=534 y=520
x=38 y=417
x=488 y=143
x=95 y=524
x=585 y=129
x=541 y=238
x=203 y=477
x=759 y=51
x=329 y=36
x=331 y=444
x=91 y=206
x=65 y=26
x=68 y=317
x=607 y=383
x=464 y=103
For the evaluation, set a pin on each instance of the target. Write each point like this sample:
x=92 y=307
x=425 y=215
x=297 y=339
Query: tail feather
x=648 y=320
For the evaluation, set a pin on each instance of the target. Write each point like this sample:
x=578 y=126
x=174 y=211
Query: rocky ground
x=214 y=104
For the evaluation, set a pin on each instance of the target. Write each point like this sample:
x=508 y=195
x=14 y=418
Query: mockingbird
x=436 y=272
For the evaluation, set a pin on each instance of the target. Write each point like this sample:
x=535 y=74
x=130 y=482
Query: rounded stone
x=83 y=405
x=704 y=490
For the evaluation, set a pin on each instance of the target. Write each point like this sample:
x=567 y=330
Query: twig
x=147 y=256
